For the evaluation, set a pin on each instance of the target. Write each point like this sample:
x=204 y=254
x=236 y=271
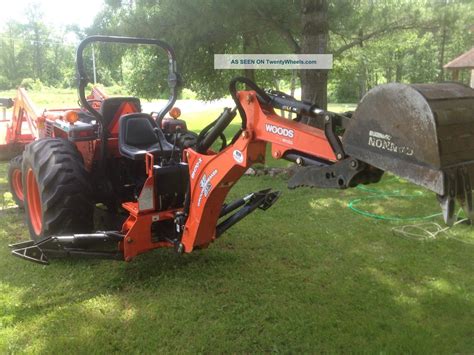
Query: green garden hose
x=383 y=195
x=423 y=231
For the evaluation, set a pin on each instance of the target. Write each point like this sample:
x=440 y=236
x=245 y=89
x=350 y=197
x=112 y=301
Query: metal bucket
x=423 y=133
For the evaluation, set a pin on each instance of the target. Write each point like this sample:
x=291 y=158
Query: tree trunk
x=12 y=72
x=444 y=34
x=293 y=82
x=292 y=88
x=246 y=46
x=38 y=59
x=362 y=80
x=399 y=72
x=276 y=82
x=315 y=37
x=389 y=74
x=442 y=50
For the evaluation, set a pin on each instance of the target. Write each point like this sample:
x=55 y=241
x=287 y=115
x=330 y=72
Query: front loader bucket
x=423 y=133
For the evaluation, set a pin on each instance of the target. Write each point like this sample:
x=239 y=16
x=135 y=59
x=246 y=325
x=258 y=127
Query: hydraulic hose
x=233 y=92
x=216 y=129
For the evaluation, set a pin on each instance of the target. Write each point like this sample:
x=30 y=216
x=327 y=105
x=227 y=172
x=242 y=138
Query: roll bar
x=83 y=80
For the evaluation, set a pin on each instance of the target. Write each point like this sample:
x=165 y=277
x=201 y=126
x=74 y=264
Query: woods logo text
x=284 y=132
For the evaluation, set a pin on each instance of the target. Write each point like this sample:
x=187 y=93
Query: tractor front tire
x=57 y=189
x=15 y=180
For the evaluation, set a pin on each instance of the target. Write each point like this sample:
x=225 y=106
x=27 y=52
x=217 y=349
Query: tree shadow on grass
x=70 y=282
x=347 y=304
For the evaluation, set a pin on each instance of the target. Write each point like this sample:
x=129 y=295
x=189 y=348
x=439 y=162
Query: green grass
x=308 y=275
x=48 y=98
x=58 y=98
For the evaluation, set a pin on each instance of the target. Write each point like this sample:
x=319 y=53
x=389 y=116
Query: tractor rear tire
x=15 y=180
x=57 y=189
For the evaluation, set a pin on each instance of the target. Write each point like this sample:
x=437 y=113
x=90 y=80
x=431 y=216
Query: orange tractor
x=149 y=183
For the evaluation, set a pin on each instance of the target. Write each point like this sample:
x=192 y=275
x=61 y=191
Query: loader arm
x=24 y=110
x=21 y=126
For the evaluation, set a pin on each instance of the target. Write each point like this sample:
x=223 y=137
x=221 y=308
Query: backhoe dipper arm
x=213 y=175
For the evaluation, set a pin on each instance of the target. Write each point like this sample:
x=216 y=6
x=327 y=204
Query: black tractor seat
x=139 y=134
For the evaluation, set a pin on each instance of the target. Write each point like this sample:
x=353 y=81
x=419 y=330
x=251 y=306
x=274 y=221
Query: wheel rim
x=34 y=202
x=17 y=184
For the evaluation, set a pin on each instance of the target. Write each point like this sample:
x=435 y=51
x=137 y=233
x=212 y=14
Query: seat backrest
x=112 y=108
x=138 y=134
x=138 y=131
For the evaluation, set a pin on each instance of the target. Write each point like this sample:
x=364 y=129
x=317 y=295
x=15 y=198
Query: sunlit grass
x=68 y=98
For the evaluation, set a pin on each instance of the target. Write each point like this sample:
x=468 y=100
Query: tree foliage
x=31 y=49
x=398 y=41
x=373 y=42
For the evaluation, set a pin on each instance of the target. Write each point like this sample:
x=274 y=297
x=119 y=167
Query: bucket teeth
x=458 y=187
x=465 y=193
x=447 y=201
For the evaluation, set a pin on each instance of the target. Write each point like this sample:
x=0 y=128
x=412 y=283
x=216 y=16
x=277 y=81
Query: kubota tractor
x=154 y=184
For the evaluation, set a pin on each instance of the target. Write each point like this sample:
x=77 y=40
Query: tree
x=36 y=35
x=34 y=51
x=372 y=41
x=192 y=29
x=314 y=39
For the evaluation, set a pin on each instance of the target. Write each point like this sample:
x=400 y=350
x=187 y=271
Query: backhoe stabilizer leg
x=29 y=251
x=101 y=245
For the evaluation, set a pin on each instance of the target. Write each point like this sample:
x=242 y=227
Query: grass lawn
x=308 y=275
x=57 y=98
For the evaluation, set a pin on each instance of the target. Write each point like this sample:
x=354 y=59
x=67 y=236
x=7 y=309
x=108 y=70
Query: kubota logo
x=285 y=132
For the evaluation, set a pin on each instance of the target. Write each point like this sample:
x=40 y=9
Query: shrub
x=32 y=84
x=5 y=84
x=187 y=94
